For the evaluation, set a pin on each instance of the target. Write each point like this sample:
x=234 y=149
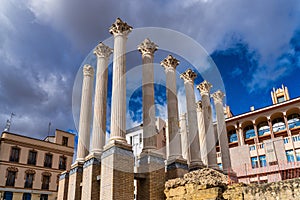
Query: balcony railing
x=278 y=127
x=249 y=134
x=294 y=123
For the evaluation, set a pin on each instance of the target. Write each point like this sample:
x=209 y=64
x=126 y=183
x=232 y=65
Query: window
x=262 y=161
x=48 y=160
x=65 y=141
x=44 y=197
x=252 y=148
x=32 y=158
x=232 y=136
x=29 y=177
x=286 y=140
x=297 y=154
x=290 y=156
x=280 y=99
x=45 y=181
x=249 y=132
x=131 y=140
x=15 y=154
x=26 y=196
x=10 y=180
x=8 y=195
x=278 y=124
x=294 y=120
x=254 y=162
x=263 y=128
x=62 y=162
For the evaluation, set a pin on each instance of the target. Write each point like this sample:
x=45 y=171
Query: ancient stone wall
x=208 y=184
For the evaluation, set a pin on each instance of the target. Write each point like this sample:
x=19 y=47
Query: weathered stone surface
x=208 y=184
x=205 y=177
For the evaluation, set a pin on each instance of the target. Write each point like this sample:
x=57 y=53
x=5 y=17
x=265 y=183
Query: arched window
x=294 y=120
x=232 y=136
x=249 y=132
x=278 y=124
x=263 y=128
x=11 y=176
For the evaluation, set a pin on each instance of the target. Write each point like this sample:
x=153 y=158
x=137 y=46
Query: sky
x=254 y=44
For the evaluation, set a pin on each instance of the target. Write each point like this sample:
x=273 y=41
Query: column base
x=215 y=167
x=63 y=186
x=195 y=166
x=176 y=168
x=75 y=179
x=152 y=168
x=91 y=177
x=117 y=177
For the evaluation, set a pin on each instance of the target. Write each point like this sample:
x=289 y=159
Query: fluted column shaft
x=210 y=139
x=222 y=132
x=99 y=122
x=170 y=64
x=147 y=48
x=201 y=129
x=118 y=105
x=193 y=137
x=184 y=137
x=85 y=113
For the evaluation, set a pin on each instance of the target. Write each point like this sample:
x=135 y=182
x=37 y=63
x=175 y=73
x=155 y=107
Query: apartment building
x=30 y=167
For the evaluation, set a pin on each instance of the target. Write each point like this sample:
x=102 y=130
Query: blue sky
x=255 y=45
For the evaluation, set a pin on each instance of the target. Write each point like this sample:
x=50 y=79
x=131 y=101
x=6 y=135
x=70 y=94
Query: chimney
x=252 y=108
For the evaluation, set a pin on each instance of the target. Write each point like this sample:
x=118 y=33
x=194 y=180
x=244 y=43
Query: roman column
x=117 y=161
x=151 y=162
x=120 y=31
x=184 y=137
x=91 y=167
x=222 y=132
x=176 y=166
x=201 y=129
x=147 y=49
x=193 y=137
x=210 y=139
x=75 y=175
x=99 y=122
x=85 y=113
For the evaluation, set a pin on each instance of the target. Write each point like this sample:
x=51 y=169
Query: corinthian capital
x=147 y=47
x=218 y=96
x=204 y=87
x=199 y=105
x=188 y=76
x=88 y=70
x=169 y=63
x=120 y=27
x=102 y=50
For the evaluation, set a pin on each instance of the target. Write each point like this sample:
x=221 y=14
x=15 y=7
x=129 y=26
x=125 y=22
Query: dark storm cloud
x=43 y=42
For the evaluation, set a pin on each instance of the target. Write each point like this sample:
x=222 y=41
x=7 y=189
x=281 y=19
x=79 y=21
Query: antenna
x=49 y=127
x=8 y=122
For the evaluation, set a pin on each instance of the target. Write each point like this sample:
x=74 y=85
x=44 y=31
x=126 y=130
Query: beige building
x=30 y=167
x=265 y=143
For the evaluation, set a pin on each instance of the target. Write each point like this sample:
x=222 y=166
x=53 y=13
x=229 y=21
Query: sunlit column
x=120 y=31
x=147 y=49
x=204 y=89
x=222 y=132
x=193 y=137
x=85 y=113
x=99 y=122
x=170 y=63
